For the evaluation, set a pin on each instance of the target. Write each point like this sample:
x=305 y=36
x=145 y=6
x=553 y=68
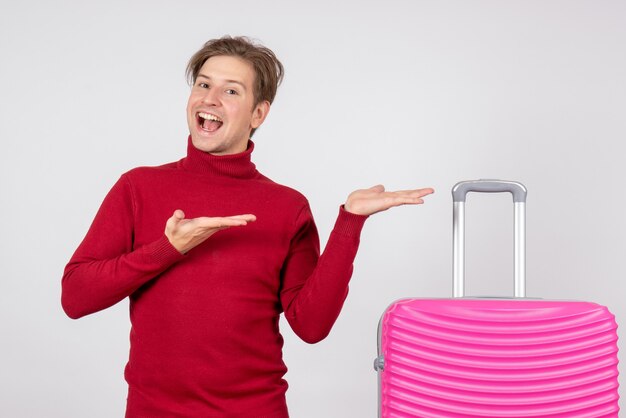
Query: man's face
x=221 y=111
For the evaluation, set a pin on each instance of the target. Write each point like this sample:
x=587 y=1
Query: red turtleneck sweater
x=204 y=340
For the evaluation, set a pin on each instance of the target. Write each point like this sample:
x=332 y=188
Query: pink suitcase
x=496 y=357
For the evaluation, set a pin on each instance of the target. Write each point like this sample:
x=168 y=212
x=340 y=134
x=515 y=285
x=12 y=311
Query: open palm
x=376 y=199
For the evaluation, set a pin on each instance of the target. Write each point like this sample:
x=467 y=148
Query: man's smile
x=208 y=122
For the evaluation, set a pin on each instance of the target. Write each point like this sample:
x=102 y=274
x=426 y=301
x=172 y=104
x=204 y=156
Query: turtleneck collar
x=234 y=165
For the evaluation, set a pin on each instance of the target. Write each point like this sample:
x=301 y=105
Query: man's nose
x=211 y=97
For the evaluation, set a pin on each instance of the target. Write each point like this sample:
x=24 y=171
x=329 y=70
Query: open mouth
x=208 y=122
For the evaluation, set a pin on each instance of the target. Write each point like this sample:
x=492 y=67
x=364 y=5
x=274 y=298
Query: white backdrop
x=406 y=93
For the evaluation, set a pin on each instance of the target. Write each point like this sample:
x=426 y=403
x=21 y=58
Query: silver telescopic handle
x=459 y=193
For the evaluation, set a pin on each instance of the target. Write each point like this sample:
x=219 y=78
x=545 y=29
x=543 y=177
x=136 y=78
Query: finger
x=403 y=200
x=207 y=219
x=377 y=188
x=235 y=220
x=247 y=217
x=417 y=192
x=425 y=191
x=412 y=201
x=212 y=223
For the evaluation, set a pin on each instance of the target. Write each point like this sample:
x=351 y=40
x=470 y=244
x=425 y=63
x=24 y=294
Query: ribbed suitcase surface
x=498 y=358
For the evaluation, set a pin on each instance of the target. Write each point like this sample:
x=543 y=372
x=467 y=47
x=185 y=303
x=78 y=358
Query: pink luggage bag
x=496 y=357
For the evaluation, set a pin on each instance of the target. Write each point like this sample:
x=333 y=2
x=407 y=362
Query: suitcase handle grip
x=460 y=190
x=459 y=193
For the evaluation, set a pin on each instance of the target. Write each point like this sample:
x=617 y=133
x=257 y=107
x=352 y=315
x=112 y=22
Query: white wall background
x=407 y=93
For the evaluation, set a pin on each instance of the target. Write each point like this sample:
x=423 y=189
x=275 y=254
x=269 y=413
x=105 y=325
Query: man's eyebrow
x=228 y=81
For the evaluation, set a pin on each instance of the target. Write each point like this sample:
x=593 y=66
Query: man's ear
x=260 y=113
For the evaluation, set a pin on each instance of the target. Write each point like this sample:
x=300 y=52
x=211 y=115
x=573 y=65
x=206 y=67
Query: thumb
x=176 y=217
x=378 y=188
x=179 y=214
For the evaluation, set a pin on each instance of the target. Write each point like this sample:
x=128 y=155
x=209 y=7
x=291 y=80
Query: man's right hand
x=185 y=234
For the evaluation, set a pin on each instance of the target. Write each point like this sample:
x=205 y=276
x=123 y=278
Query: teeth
x=209 y=116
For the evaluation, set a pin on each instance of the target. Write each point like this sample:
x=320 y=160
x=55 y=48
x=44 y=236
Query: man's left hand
x=376 y=199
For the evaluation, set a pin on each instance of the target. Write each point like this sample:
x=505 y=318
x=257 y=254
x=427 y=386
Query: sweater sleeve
x=315 y=287
x=106 y=267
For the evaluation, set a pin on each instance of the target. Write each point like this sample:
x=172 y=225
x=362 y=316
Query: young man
x=205 y=297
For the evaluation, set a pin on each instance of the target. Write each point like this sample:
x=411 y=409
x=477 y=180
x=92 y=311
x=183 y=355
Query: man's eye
x=203 y=85
x=231 y=91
